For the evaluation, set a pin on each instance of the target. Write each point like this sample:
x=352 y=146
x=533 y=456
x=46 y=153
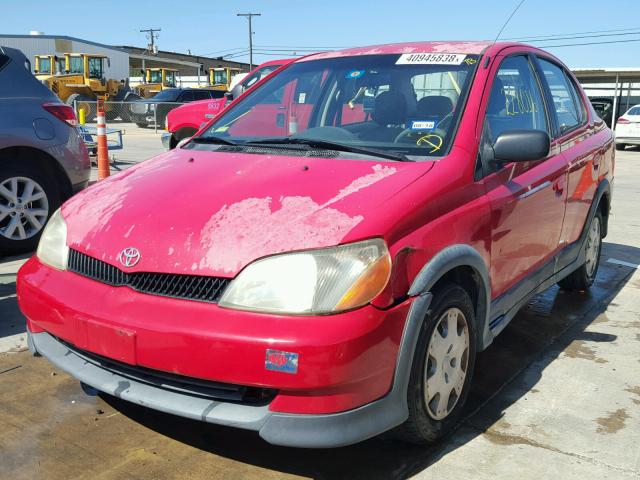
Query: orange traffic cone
x=103 y=152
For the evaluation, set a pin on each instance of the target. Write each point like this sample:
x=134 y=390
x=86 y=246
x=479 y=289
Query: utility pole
x=152 y=38
x=250 y=16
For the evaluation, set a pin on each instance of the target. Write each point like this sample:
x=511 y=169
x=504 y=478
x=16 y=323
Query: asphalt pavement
x=556 y=396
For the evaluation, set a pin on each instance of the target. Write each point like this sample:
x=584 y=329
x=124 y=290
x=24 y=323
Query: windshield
x=407 y=104
x=45 y=65
x=155 y=76
x=170 y=79
x=219 y=77
x=75 y=65
x=167 y=95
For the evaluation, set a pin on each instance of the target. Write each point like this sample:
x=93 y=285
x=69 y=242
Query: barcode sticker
x=431 y=59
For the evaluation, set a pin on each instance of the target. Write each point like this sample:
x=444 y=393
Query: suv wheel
x=442 y=367
x=583 y=277
x=27 y=199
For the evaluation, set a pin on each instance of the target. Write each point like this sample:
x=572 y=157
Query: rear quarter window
x=4 y=60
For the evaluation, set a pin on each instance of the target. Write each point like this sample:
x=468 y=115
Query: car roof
x=465 y=47
x=407 y=47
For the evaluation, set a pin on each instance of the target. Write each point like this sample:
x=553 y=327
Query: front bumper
x=293 y=430
x=346 y=362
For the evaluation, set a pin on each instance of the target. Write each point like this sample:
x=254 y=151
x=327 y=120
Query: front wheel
x=583 y=277
x=442 y=367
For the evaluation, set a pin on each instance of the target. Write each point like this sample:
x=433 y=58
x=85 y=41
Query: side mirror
x=182 y=142
x=521 y=146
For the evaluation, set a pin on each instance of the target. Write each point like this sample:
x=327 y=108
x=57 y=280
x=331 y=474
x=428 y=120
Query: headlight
x=322 y=281
x=52 y=249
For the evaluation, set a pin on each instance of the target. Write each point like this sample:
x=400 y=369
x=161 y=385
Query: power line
x=590 y=43
x=552 y=36
x=637 y=32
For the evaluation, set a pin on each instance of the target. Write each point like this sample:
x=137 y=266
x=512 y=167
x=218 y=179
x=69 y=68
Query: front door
x=527 y=198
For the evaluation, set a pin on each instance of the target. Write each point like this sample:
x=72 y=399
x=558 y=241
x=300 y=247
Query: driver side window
x=515 y=103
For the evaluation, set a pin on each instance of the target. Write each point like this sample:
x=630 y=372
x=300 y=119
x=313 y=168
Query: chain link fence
x=139 y=116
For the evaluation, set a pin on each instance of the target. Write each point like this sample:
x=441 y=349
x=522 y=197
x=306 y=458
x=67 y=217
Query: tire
x=584 y=276
x=142 y=125
x=620 y=146
x=18 y=236
x=90 y=116
x=430 y=421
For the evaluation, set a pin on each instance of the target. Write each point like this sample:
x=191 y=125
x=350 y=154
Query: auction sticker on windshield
x=431 y=59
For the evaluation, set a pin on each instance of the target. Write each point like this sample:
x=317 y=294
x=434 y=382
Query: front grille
x=188 y=287
x=192 y=386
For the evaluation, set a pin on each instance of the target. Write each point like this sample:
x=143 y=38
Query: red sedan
x=183 y=122
x=323 y=261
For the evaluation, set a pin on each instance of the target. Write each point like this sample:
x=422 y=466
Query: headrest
x=390 y=108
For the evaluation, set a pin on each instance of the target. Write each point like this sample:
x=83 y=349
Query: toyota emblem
x=129 y=257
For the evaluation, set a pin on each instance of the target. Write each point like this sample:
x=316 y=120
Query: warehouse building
x=124 y=62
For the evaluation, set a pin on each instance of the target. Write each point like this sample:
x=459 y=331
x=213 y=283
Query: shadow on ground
x=553 y=319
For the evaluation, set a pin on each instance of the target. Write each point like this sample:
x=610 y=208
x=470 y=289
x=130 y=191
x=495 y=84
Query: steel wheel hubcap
x=446 y=363
x=593 y=247
x=24 y=208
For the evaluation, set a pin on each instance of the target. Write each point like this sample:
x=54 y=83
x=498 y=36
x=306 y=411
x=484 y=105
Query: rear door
x=527 y=198
x=581 y=148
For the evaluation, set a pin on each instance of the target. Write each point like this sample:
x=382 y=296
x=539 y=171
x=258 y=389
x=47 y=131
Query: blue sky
x=212 y=26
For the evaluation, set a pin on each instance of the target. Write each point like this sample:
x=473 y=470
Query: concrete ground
x=556 y=396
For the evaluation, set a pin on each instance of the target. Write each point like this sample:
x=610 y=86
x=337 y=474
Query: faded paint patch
x=235 y=234
x=613 y=422
x=636 y=392
x=238 y=229
x=578 y=349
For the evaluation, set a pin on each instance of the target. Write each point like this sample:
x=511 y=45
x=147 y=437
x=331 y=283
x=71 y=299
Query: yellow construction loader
x=48 y=65
x=220 y=77
x=83 y=82
x=156 y=80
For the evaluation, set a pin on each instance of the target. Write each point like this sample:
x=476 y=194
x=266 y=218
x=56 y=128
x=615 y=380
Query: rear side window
x=186 y=96
x=633 y=111
x=201 y=95
x=3 y=61
x=516 y=102
x=569 y=109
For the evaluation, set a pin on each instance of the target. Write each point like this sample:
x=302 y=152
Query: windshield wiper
x=329 y=145
x=213 y=141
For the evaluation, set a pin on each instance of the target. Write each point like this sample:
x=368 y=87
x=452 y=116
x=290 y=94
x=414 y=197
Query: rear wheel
x=442 y=367
x=28 y=197
x=583 y=277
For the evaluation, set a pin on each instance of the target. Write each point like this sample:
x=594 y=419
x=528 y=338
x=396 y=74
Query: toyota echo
x=323 y=261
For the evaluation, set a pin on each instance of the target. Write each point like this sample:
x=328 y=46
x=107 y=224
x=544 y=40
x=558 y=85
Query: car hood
x=212 y=213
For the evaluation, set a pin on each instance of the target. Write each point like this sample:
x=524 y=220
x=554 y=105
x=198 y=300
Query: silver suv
x=43 y=160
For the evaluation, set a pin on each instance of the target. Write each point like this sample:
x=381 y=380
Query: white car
x=628 y=128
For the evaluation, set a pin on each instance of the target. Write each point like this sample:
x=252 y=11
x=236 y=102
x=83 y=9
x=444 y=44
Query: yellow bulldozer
x=220 y=77
x=83 y=82
x=48 y=65
x=156 y=80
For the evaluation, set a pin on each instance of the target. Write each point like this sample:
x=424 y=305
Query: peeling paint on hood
x=192 y=212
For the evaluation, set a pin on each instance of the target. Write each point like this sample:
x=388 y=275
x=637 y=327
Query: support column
x=614 y=116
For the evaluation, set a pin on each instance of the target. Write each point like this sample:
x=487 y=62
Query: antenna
x=508 y=20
